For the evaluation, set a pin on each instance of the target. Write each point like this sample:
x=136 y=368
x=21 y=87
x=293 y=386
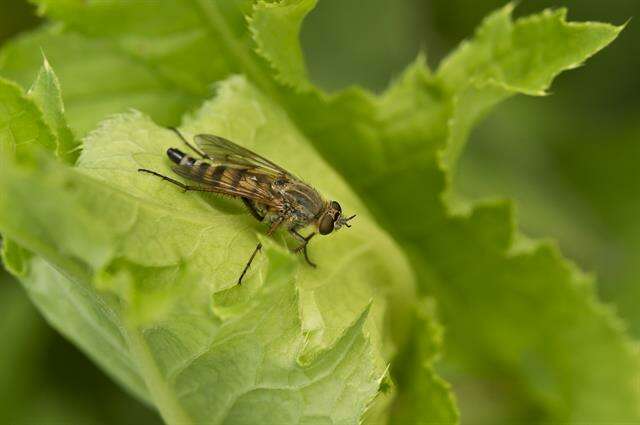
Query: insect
x=270 y=192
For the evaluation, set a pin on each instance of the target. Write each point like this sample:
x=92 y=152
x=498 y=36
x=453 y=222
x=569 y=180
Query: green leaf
x=276 y=29
x=424 y=397
x=15 y=258
x=98 y=78
x=573 y=202
x=524 y=56
x=141 y=261
x=22 y=123
x=35 y=362
x=176 y=41
x=483 y=75
x=46 y=94
x=516 y=312
x=515 y=294
x=510 y=306
x=506 y=57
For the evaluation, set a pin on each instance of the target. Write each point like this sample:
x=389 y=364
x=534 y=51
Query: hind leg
x=184 y=187
x=273 y=228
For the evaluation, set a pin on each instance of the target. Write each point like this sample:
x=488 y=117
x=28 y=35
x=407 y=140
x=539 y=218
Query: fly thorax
x=305 y=200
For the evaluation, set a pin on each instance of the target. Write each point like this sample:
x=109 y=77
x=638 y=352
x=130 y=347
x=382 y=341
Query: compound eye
x=326 y=225
x=336 y=206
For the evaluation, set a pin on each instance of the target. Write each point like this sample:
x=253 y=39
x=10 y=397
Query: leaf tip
x=508 y=8
x=623 y=26
x=45 y=61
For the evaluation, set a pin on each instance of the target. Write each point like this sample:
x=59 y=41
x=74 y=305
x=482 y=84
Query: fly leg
x=184 y=187
x=303 y=246
x=246 y=266
x=192 y=147
x=253 y=209
x=273 y=228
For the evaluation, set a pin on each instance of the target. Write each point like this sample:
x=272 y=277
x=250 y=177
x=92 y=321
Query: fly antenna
x=345 y=221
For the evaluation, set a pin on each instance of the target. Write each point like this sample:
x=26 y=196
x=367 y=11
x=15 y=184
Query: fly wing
x=222 y=150
x=229 y=179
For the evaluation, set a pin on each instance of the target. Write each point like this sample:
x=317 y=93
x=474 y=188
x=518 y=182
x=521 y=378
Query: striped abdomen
x=230 y=180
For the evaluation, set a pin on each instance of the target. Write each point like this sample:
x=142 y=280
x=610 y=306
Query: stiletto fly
x=270 y=192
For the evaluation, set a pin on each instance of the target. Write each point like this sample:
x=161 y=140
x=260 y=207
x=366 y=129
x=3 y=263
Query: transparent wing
x=224 y=151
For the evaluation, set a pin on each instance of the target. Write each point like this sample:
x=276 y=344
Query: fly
x=270 y=192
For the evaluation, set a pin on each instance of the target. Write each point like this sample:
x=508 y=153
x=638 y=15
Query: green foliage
x=97 y=76
x=156 y=257
x=506 y=58
x=37 y=384
x=276 y=28
x=417 y=402
x=142 y=276
x=46 y=94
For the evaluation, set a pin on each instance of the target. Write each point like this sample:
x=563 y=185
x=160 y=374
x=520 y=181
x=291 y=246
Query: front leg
x=303 y=246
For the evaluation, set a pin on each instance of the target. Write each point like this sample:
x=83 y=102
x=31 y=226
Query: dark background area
x=570 y=160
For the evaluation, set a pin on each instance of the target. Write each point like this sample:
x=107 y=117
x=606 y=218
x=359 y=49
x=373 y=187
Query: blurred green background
x=570 y=160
